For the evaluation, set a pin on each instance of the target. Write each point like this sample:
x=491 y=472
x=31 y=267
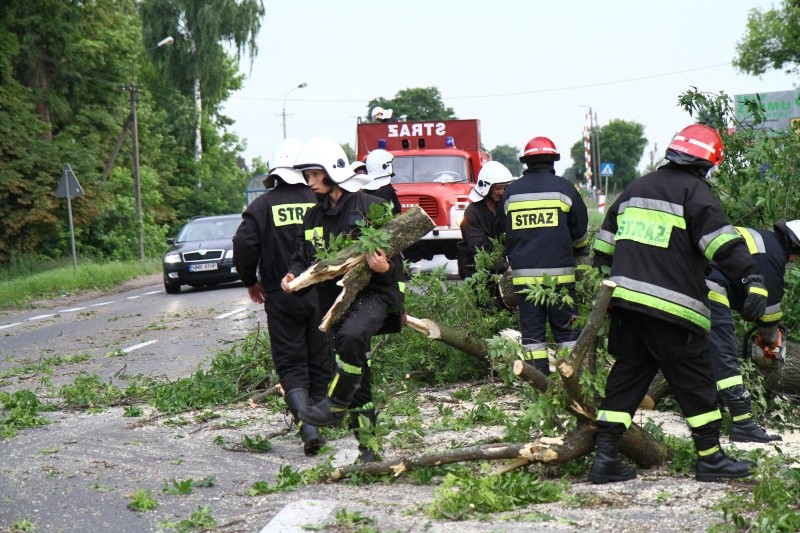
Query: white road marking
x=39 y=317
x=154 y=292
x=134 y=297
x=101 y=303
x=10 y=325
x=231 y=313
x=137 y=346
x=72 y=310
x=295 y=515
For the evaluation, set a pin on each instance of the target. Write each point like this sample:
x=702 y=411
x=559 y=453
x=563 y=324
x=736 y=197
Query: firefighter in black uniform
x=479 y=224
x=262 y=250
x=658 y=238
x=342 y=206
x=546 y=225
x=772 y=251
x=380 y=170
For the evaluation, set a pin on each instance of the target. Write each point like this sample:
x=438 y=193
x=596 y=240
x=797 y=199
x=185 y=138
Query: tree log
x=783 y=377
x=507 y=292
x=457 y=338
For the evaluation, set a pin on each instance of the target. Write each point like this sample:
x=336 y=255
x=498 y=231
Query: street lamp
x=283 y=113
x=137 y=186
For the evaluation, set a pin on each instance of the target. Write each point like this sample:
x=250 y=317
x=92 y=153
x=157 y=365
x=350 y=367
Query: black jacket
x=771 y=255
x=658 y=238
x=266 y=238
x=545 y=222
x=323 y=222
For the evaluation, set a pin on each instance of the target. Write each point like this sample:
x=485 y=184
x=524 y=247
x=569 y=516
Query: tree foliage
x=772 y=40
x=421 y=103
x=508 y=156
x=621 y=143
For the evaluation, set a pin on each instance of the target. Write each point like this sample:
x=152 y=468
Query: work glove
x=755 y=303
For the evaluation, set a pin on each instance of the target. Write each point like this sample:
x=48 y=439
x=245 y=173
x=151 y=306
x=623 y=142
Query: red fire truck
x=436 y=164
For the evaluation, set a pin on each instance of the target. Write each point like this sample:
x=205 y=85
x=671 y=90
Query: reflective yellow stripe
x=703 y=419
x=719 y=298
x=772 y=317
x=537 y=204
x=748 y=238
x=538 y=354
x=402 y=286
x=604 y=247
x=346 y=367
x=663 y=305
x=313 y=234
x=704 y=453
x=758 y=290
x=729 y=382
x=741 y=417
x=617 y=417
x=538 y=280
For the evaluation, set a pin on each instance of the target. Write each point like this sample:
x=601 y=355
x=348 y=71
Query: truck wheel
x=172 y=287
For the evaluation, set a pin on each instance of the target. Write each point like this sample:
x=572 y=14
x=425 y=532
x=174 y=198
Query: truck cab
x=436 y=163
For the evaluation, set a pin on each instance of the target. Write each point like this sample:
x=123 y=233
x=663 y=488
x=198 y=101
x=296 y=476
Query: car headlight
x=229 y=254
x=172 y=258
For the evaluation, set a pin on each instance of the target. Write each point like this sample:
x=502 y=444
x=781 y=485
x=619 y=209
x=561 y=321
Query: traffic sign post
x=606 y=170
x=67 y=188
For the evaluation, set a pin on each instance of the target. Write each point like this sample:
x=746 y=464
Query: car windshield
x=208 y=229
x=430 y=169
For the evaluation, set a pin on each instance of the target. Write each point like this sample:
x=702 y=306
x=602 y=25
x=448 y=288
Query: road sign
x=606 y=169
x=588 y=174
x=68 y=186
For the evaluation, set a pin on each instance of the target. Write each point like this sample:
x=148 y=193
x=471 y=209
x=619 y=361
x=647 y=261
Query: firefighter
x=341 y=207
x=772 y=251
x=545 y=223
x=658 y=238
x=381 y=169
x=358 y=167
x=262 y=249
x=479 y=223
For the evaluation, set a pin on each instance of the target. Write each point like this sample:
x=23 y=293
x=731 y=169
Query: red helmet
x=540 y=148
x=698 y=141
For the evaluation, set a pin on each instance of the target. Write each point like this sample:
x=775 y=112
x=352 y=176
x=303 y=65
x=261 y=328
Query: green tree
x=772 y=40
x=622 y=143
x=421 y=103
x=508 y=156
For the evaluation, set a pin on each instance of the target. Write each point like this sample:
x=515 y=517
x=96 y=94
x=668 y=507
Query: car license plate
x=203 y=267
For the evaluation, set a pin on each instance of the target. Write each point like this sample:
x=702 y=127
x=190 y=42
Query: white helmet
x=324 y=153
x=379 y=113
x=493 y=172
x=791 y=229
x=282 y=162
x=379 y=169
x=357 y=165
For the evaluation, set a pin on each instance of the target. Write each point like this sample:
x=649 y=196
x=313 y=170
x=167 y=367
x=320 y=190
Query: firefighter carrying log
x=545 y=223
x=658 y=239
x=771 y=251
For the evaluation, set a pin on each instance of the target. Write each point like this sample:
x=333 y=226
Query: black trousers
x=643 y=345
x=352 y=338
x=300 y=351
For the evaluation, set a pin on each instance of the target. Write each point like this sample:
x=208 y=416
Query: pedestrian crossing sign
x=607 y=169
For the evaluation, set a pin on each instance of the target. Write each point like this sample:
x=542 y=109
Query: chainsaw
x=762 y=353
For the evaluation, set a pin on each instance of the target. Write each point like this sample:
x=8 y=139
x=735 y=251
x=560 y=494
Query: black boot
x=331 y=410
x=607 y=467
x=363 y=422
x=747 y=430
x=297 y=399
x=719 y=466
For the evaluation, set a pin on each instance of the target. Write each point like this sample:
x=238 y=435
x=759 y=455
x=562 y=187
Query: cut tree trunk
x=457 y=338
x=350 y=262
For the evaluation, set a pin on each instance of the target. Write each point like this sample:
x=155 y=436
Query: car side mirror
x=170 y=240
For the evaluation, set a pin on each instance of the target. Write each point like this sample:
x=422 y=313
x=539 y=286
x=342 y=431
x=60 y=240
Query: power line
x=497 y=95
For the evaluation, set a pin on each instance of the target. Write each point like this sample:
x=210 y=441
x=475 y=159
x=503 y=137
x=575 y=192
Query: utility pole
x=132 y=88
x=283 y=112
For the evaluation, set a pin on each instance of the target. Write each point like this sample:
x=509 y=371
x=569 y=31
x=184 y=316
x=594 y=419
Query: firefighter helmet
x=379 y=168
x=282 y=161
x=357 y=165
x=379 y=113
x=791 y=230
x=540 y=149
x=323 y=153
x=695 y=144
x=492 y=173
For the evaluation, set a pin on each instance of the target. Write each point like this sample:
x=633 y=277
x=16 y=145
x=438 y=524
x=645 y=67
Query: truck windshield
x=427 y=169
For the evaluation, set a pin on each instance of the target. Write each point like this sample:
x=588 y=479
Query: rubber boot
x=717 y=466
x=331 y=410
x=297 y=399
x=743 y=427
x=607 y=466
x=362 y=422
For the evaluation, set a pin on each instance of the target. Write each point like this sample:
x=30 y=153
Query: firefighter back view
x=545 y=224
x=658 y=238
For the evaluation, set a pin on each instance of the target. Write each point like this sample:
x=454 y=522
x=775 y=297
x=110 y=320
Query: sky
x=523 y=68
